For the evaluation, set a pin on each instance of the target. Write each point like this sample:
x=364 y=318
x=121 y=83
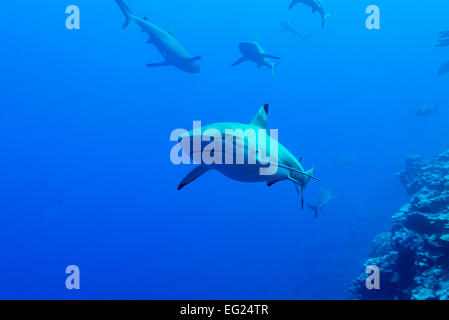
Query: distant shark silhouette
x=325 y=198
x=288 y=26
x=252 y=51
x=443 y=39
x=426 y=111
x=444 y=68
x=165 y=42
x=316 y=5
x=347 y=160
x=288 y=167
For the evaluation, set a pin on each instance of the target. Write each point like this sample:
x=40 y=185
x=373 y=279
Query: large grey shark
x=286 y=166
x=325 y=197
x=316 y=5
x=165 y=42
x=288 y=26
x=252 y=51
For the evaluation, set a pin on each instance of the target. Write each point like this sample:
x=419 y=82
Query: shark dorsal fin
x=260 y=120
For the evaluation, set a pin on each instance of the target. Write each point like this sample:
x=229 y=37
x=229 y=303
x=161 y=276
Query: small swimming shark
x=288 y=26
x=443 y=39
x=444 y=68
x=443 y=43
x=165 y=42
x=316 y=5
x=323 y=201
x=288 y=168
x=426 y=111
x=252 y=51
x=347 y=160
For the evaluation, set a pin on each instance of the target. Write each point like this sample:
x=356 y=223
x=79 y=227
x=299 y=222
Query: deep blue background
x=85 y=173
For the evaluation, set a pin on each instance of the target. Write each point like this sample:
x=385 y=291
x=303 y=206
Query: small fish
x=426 y=111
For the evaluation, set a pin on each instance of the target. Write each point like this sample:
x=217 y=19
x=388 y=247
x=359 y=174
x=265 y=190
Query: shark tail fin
x=130 y=17
x=315 y=209
x=274 y=66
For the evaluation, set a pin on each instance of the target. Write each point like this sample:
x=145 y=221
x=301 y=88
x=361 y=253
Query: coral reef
x=413 y=257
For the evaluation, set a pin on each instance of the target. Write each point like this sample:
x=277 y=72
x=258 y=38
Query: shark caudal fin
x=130 y=17
x=315 y=209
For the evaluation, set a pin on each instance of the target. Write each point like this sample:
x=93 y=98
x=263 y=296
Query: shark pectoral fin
x=299 y=191
x=239 y=61
x=270 y=183
x=160 y=64
x=193 y=175
x=194 y=58
x=302 y=197
x=265 y=55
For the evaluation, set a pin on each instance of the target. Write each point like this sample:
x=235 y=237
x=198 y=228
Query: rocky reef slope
x=413 y=257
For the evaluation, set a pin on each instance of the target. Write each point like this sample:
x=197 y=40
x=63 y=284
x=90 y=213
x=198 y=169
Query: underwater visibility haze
x=86 y=121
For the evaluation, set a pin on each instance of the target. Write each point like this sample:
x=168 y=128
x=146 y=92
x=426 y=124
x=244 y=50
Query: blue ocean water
x=86 y=176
